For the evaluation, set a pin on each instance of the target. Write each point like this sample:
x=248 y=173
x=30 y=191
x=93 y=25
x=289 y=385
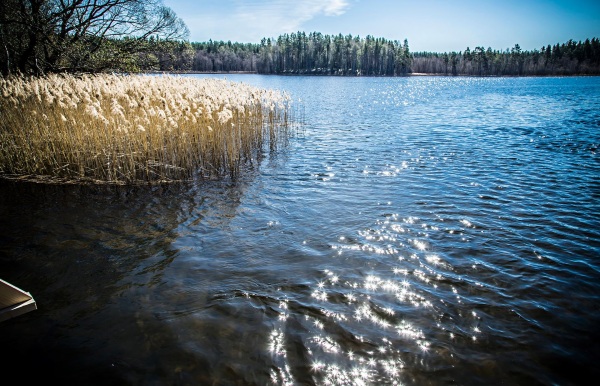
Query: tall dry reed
x=126 y=129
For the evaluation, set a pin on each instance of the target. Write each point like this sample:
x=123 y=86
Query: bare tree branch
x=59 y=35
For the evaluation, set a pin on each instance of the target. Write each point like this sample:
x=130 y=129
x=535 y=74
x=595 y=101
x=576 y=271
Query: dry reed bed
x=127 y=129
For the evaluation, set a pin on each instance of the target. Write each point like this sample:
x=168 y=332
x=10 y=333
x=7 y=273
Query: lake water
x=415 y=231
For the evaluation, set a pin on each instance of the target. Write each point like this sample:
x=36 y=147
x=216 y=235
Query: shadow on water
x=94 y=257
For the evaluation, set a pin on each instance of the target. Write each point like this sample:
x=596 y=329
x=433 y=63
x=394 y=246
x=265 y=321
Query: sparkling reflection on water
x=418 y=231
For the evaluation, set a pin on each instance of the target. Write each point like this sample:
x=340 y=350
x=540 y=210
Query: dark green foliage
x=570 y=58
x=296 y=53
x=318 y=54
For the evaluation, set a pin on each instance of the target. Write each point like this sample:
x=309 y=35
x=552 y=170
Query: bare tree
x=80 y=35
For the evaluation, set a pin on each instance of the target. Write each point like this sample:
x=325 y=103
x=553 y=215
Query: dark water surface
x=417 y=231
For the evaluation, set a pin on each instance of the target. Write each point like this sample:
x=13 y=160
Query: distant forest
x=318 y=54
x=296 y=53
x=79 y=36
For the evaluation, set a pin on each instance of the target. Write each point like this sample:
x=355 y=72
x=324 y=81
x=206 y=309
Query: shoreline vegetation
x=132 y=129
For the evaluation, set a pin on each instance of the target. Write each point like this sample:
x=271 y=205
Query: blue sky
x=429 y=25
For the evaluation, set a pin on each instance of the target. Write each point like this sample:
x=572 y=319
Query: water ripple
x=420 y=231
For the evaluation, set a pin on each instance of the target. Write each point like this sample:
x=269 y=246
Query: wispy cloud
x=335 y=7
x=303 y=9
x=285 y=14
x=251 y=20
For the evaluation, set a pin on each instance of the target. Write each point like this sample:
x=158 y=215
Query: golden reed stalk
x=136 y=128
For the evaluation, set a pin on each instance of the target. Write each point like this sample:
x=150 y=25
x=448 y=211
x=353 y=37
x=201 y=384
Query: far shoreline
x=411 y=74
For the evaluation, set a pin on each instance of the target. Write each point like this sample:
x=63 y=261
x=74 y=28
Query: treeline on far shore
x=41 y=37
x=318 y=54
x=570 y=58
x=29 y=48
x=295 y=53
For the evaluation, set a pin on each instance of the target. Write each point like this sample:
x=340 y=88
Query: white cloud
x=335 y=7
x=249 y=21
x=284 y=15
